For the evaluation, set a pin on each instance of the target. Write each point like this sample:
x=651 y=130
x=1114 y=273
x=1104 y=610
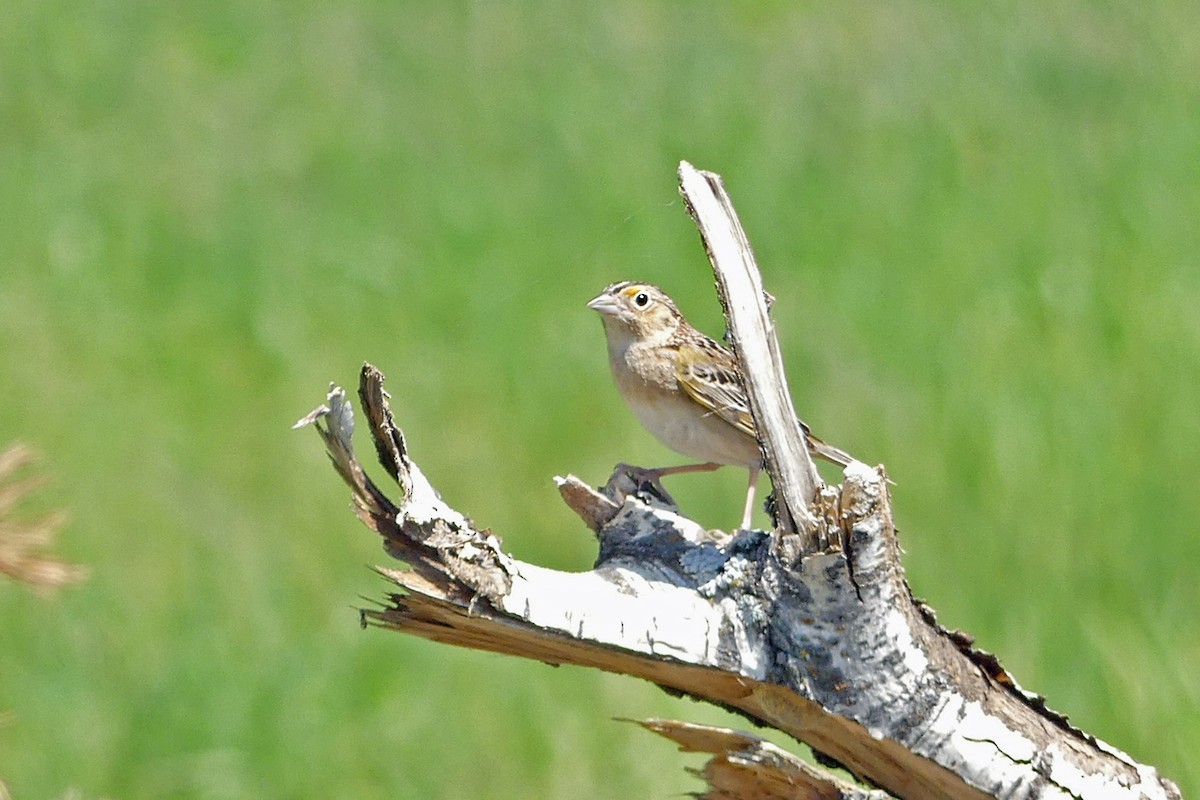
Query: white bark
x=810 y=629
x=839 y=657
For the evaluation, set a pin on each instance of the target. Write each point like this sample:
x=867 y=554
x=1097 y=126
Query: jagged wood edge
x=743 y=300
x=751 y=334
x=445 y=600
x=464 y=575
x=747 y=767
x=462 y=581
x=745 y=304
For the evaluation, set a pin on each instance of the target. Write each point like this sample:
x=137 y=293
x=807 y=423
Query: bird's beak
x=605 y=303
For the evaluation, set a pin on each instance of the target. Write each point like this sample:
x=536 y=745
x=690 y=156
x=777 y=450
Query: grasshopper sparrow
x=685 y=388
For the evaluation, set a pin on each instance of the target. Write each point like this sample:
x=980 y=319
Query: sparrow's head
x=640 y=311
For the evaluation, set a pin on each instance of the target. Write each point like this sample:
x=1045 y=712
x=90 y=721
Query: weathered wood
x=818 y=636
x=745 y=767
x=752 y=337
x=840 y=658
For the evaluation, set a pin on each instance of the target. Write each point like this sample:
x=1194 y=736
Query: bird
x=684 y=387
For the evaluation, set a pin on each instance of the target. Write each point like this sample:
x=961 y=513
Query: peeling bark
x=810 y=629
x=848 y=663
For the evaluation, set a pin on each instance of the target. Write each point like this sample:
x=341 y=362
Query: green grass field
x=979 y=220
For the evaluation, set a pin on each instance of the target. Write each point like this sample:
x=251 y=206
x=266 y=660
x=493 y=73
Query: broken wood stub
x=809 y=628
x=751 y=335
x=829 y=648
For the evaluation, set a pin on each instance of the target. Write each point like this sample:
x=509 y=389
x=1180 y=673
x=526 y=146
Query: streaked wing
x=708 y=373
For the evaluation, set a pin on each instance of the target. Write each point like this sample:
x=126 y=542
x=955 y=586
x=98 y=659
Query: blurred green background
x=980 y=221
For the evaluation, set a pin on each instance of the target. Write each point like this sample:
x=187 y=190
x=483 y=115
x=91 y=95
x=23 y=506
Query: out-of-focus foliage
x=979 y=221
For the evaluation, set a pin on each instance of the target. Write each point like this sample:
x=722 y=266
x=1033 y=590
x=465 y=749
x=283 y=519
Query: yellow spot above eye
x=630 y=291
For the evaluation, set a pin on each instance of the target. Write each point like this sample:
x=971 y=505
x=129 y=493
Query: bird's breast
x=653 y=393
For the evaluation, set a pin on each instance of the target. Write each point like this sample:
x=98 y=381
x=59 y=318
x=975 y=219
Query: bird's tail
x=827 y=451
x=830 y=453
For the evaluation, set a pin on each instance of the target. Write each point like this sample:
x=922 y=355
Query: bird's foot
x=645 y=484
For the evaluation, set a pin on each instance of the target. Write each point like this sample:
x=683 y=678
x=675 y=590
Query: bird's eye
x=641 y=300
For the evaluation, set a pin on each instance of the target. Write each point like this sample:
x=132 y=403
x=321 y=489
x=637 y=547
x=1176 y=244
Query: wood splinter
x=810 y=628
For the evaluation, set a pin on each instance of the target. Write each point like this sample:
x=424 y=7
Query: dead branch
x=810 y=629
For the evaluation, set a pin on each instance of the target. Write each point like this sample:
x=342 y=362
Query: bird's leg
x=661 y=471
x=643 y=475
x=749 y=511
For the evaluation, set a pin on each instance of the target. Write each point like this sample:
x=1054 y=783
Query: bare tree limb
x=825 y=644
x=852 y=666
